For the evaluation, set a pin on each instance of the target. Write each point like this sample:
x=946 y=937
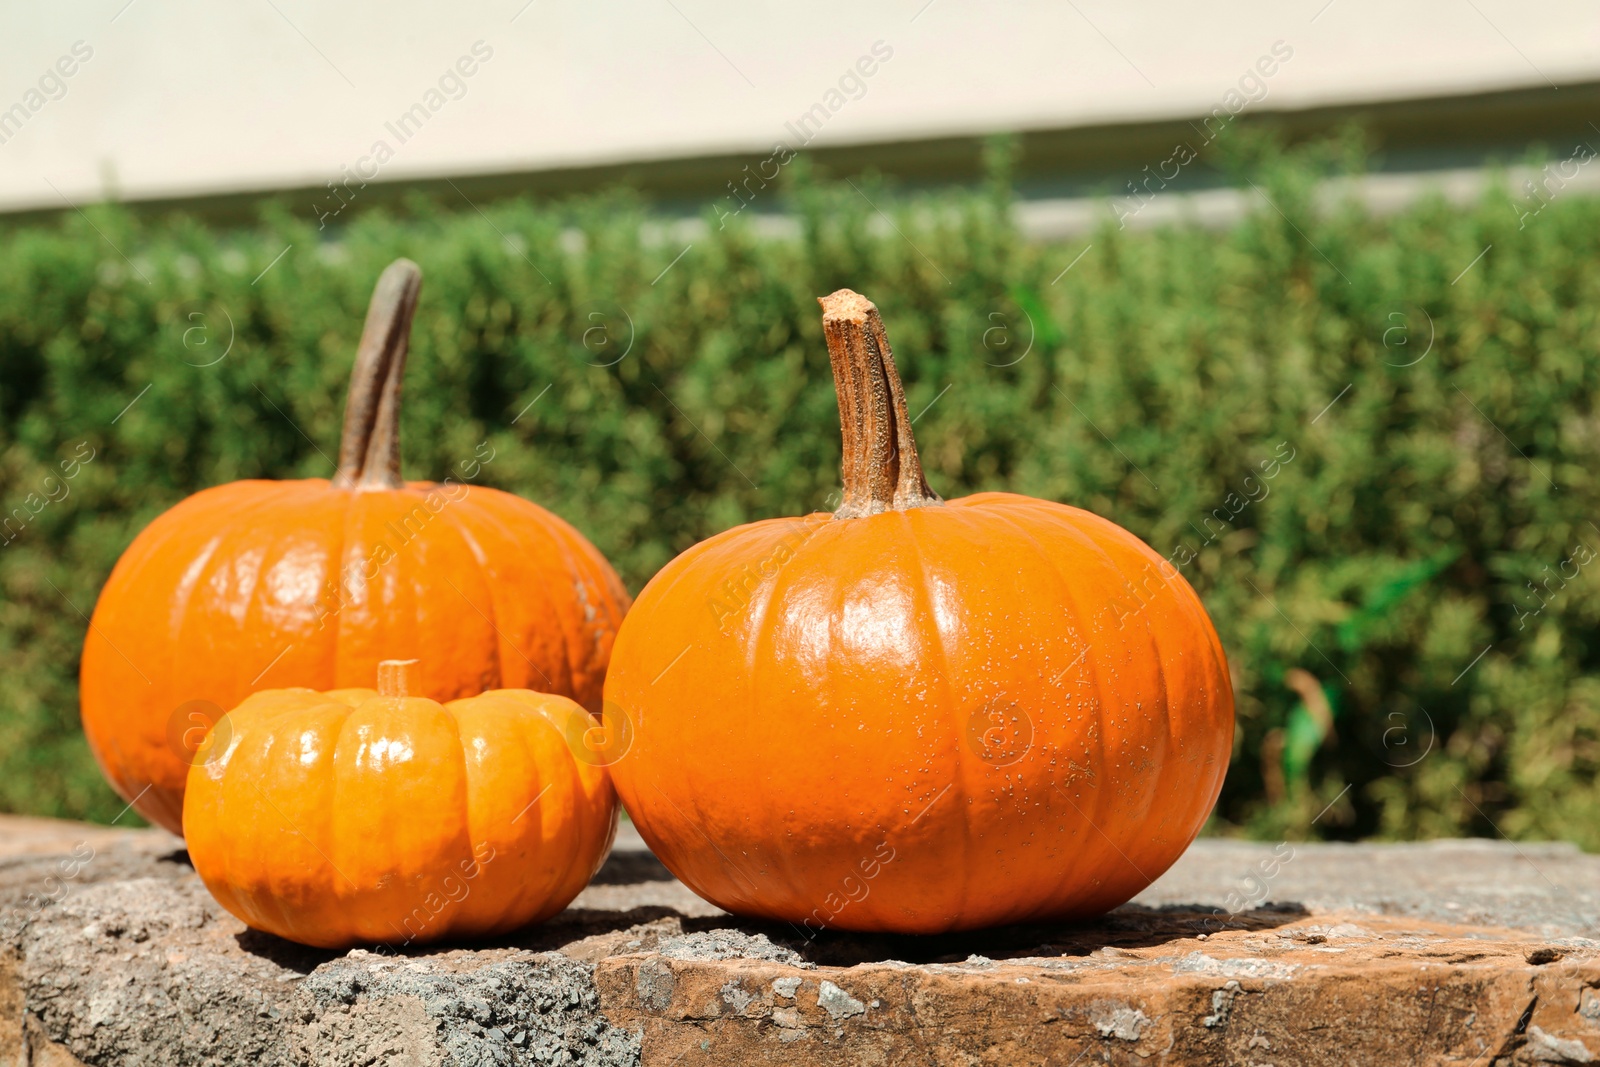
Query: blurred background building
x=702 y=102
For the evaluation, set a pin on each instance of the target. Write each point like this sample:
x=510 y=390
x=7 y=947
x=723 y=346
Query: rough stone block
x=1467 y=953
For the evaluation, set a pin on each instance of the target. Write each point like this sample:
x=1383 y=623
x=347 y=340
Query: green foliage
x=1370 y=449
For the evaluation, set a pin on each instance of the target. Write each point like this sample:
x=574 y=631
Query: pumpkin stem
x=369 y=450
x=881 y=468
x=399 y=678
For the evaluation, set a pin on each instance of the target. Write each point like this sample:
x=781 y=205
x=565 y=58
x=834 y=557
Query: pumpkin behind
x=262 y=584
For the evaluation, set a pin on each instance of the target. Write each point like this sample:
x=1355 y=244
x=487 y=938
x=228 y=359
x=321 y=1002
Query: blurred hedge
x=1447 y=493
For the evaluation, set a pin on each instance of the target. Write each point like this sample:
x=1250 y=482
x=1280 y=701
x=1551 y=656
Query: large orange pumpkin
x=356 y=816
x=917 y=715
x=264 y=584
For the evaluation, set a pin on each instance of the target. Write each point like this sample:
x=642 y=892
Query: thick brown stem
x=882 y=471
x=369 y=451
x=399 y=677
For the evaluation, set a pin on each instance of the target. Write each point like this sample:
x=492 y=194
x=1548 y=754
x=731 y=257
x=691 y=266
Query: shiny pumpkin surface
x=259 y=584
x=915 y=715
x=347 y=817
x=991 y=711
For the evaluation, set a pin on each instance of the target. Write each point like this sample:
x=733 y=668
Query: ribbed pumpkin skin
x=814 y=701
x=239 y=588
x=342 y=818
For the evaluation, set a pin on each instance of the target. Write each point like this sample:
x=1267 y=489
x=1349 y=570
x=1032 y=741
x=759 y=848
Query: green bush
x=1426 y=414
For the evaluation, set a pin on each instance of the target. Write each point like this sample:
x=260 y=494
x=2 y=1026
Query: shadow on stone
x=286 y=954
x=631 y=868
x=577 y=924
x=555 y=934
x=180 y=856
x=1131 y=926
x=584 y=932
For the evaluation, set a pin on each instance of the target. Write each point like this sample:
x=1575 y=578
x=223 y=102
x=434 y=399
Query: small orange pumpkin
x=261 y=584
x=917 y=715
x=355 y=816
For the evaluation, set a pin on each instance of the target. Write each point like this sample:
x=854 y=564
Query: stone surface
x=1470 y=953
x=1292 y=991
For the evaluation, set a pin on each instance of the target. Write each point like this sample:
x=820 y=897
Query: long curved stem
x=881 y=468
x=369 y=449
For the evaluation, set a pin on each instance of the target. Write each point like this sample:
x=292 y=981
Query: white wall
x=184 y=97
